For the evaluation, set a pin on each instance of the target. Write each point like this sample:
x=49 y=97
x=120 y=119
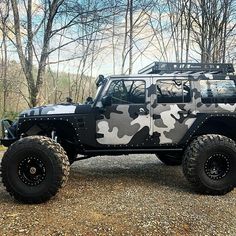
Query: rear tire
x=34 y=169
x=170 y=160
x=209 y=164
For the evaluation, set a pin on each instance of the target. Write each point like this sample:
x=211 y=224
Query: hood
x=50 y=109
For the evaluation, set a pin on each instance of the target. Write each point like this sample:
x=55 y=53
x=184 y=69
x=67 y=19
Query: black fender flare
x=201 y=120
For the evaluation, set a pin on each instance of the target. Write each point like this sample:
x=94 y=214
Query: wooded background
x=51 y=49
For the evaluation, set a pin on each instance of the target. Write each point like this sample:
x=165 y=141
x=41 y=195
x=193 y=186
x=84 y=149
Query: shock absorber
x=54 y=135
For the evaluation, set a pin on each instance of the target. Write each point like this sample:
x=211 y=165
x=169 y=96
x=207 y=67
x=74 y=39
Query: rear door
x=173 y=108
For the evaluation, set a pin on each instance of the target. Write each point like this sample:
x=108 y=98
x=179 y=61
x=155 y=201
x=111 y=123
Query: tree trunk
x=4 y=16
x=124 y=53
x=25 y=64
x=131 y=37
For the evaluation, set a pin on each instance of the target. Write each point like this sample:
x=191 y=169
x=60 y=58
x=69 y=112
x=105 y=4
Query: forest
x=53 y=49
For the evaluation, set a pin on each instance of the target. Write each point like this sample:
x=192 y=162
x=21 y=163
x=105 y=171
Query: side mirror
x=69 y=100
x=89 y=100
x=106 y=101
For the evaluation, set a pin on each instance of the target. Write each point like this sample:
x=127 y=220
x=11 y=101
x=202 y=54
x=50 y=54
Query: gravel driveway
x=125 y=195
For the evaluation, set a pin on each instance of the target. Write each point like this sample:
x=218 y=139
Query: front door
x=127 y=120
x=173 y=109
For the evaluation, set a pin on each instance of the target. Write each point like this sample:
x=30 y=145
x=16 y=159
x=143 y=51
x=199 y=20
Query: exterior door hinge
x=99 y=135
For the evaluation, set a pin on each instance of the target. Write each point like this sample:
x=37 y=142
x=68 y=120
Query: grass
x=2 y=148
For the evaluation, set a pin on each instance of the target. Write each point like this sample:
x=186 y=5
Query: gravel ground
x=125 y=195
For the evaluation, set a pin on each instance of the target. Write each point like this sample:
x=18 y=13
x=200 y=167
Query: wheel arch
x=65 y=132
x=222 y=124
x=35 y=127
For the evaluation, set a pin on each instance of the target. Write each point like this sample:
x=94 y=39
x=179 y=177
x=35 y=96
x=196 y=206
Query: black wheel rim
x=32 y=171
x=217 y=166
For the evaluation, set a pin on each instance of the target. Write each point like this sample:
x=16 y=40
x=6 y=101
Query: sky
x=104 y=64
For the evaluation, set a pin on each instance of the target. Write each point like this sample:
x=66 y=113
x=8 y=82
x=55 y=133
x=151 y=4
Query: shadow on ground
x=133 y=168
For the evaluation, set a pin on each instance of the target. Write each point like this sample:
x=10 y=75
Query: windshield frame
x=100 y=89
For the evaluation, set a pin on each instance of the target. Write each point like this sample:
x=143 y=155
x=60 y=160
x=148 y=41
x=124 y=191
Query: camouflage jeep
x=183 y=113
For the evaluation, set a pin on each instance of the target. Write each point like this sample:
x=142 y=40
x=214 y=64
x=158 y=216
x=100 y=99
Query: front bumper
x=7 y=130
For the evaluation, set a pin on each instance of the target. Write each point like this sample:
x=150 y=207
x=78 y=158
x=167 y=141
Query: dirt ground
x=125 y=195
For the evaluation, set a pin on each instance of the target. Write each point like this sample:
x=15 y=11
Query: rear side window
x=218 y=91
x=127 y=91
x=173 y=91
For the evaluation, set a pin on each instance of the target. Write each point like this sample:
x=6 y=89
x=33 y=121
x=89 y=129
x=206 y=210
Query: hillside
x=57 y=86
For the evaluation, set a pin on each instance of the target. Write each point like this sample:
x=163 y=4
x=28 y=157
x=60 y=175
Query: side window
x=218 y=91
x=173 y=91
x=127 y=91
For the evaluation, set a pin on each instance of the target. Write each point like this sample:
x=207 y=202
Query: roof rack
x=190 y=68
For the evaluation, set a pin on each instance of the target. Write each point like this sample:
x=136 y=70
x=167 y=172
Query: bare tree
x=4 y=15
x=53 y=10
x=212 y=26
x=124 y=50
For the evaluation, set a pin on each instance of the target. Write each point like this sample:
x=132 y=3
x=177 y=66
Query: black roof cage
x=190 y=68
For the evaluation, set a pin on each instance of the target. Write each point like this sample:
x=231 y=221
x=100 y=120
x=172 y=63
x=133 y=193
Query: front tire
x=34 y=169
x=209 y=164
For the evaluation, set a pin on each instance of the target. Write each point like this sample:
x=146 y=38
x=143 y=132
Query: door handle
x=188 y=112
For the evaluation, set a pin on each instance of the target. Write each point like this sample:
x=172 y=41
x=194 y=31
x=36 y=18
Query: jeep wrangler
x=185 y=113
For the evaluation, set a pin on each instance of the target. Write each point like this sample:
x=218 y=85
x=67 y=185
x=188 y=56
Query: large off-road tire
x=170 y=159
x=34 y=169
x=209 y=164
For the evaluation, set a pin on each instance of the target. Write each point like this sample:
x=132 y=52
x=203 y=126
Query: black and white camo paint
x=49 y=110
x=167 y=122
